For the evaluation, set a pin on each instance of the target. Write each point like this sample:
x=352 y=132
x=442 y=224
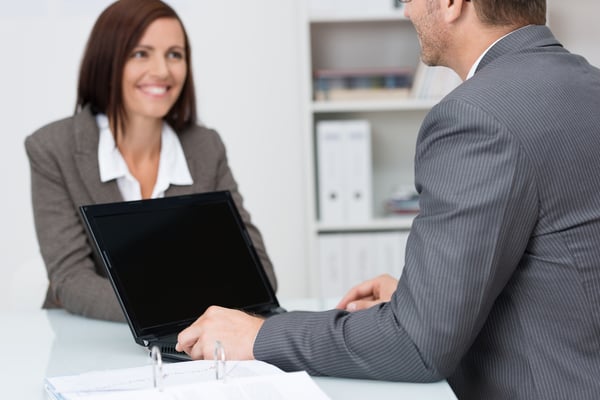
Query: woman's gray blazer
x=64 y=175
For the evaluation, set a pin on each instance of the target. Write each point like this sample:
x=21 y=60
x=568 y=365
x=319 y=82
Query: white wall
x=575 y=24
x=246 y=67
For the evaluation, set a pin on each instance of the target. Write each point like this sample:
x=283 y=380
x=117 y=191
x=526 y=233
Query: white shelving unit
x=337 y=36
x=397 y=223
x=372 y=105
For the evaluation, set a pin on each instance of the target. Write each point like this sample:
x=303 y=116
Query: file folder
x=330 y=166
x=332 y=265
x=358 y=171
x=344 y=171
x=347 y=259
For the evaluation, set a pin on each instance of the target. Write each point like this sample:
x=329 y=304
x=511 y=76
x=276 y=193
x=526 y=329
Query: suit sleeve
x=478 y=205
x=75 y=284
x=226 y=181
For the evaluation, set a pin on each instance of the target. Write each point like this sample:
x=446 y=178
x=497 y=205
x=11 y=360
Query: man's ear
x=452 y=9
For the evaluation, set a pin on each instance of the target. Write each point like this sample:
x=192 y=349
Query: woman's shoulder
x=51 y=138
x=199 y=130
x=63 y=136
x=201 y=136
x=53 y=129
x=61 y=132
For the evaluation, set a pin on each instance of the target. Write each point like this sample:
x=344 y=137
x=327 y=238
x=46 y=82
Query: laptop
x=169 y=259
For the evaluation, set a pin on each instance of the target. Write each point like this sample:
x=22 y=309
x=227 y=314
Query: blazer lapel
x=86 y=158
x=177 y=190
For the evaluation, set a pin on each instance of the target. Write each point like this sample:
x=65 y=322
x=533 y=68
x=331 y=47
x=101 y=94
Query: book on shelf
x=363 y=94
x=403 y=201
x=362 y=84
x=354 y=8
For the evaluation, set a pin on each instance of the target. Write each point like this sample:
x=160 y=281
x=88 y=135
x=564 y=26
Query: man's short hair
x=511 y=12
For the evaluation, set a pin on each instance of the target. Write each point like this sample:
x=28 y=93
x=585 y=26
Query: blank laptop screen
x=171 y=263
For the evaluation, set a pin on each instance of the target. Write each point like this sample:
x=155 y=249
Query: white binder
x=347 y=259
x=358 y=171
x=332 y=265
x=360 y=258
x=344 y=171
x=390 y=248
x=330 y=166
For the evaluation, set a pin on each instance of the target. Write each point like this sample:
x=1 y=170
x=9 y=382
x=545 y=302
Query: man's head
x=454 y=33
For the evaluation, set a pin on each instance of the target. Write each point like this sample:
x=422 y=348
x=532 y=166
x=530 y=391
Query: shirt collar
x=172 y=167
x=476 y=64
x=110 y=162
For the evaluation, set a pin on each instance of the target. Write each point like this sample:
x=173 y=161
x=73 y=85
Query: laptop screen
x=169 y=259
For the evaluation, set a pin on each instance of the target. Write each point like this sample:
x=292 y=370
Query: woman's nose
x=159 y=67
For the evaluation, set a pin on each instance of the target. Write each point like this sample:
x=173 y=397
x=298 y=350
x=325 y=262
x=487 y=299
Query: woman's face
x=155 y=72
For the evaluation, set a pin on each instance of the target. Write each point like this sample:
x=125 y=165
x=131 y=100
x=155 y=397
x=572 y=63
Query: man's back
x=501 y=284
x=541 y=338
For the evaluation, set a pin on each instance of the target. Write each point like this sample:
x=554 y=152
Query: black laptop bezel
x=145 y=336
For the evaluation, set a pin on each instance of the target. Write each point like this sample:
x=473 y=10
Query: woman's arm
x=75 y=283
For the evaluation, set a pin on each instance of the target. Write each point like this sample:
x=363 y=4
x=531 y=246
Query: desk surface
x=53 y=343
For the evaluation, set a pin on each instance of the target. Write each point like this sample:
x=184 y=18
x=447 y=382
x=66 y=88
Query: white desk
x=40 y=343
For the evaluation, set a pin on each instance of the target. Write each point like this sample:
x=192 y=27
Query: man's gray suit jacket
x=65 y=175
x=500 y=292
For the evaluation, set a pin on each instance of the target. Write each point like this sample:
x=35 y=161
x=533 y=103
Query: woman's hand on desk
x=235 y=329
x=369 y=293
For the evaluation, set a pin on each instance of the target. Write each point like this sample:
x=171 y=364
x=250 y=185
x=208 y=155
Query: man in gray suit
x=500 y=293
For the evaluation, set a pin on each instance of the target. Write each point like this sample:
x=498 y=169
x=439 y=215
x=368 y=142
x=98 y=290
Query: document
x=187 y=380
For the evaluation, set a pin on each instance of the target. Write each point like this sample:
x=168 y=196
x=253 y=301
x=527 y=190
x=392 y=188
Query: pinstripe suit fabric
x=501 y=287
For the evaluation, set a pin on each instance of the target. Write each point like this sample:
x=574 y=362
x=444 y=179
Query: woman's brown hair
x=114 y=36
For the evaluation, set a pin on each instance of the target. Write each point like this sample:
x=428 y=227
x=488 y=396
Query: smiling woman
x=155 y=72
x=133 y=136
x=153 y=77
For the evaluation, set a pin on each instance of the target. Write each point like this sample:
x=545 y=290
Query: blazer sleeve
x=75 y=284
x=479 y=205
x=226 y=181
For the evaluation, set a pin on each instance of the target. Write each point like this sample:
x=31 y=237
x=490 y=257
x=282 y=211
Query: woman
x=133 y=136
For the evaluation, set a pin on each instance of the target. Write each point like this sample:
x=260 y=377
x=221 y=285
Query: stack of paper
x=187 y=380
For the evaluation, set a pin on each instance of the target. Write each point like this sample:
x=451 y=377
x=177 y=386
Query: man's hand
x=369 y=293
x=235 y=329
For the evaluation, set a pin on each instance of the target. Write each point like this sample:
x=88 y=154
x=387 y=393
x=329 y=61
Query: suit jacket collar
x=526 y=37
x=192 y=162
x=86 y=157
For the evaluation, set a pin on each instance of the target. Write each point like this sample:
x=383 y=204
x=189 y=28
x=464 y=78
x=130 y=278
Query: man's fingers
x=186 y=339
x=359 y=292
x=362 y=304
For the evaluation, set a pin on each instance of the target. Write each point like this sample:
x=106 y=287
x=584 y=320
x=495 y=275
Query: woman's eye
x=178 y=55
x=139 y=54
